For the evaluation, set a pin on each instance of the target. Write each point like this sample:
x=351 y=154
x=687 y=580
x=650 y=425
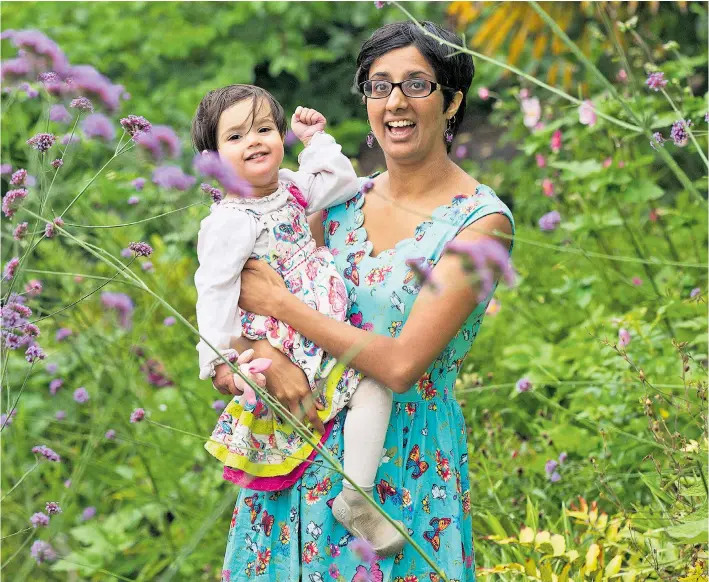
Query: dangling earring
x=370 y=139
x=448 y=135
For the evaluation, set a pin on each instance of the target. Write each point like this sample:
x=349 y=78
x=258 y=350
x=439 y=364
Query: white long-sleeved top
x=234 y=231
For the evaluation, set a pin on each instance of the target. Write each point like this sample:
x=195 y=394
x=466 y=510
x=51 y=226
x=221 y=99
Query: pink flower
x=484 y=93
x=695 y=292
x=587 y=113
x=621 y=76
x=110 y=434
x=523 y=385
x=487 y=258
x=541 y=161
x=607 y=162
x=653 y=215
x=548 y=187
x=556 y=141
x=137 y=415
x=637 y=281
x=524 y=94
x=623 y=337
x=532 y=111
x=33 y=287
x=169 y=321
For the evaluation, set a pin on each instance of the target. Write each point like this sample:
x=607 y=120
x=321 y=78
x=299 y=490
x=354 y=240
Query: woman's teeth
x=400 y=123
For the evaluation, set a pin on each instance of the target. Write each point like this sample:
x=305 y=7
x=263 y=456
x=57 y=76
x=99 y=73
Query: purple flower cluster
x=60 y=415
x=212 y=165
x=59 y=114
x=16 y=330
x=69 y=138
x=695 y=292
x=133 y=200
x=135 y=124
x=680 y=132
x=12 y=199
x=137 y=415
x=43 y=552
x=98 y=125
x=216 y=194
x=54 y=386
x=155 y=373
x=422 y=271
x=486 y=258
x=19 y=177
x=63 y=333
x=33 y=353
x=169 y=321
x=523 y=385
x=20 y=231
x=138 y=183
x=623 y=337
x=110 y=434
x=33 y=287
x=58 y=163
x=29 y=90
x=53 y=508
x=160 y=135
x=6 y=419
x=120 y=302
x=550 y=469
x=218 y=405
x=657 y=140
x=39 y=519
x=42 y=141
x=81 y=395
x=47 y=453
x=550 y=221
x=141 y=249
x=82 y=103
x=49 y=229
x=173 y=177
x=88 y=513
x=656 y=81
x=37 y=50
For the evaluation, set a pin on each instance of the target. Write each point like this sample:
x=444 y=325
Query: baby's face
x=253 y=147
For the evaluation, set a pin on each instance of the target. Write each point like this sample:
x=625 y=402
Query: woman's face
x=426 y=118
x=253 y=147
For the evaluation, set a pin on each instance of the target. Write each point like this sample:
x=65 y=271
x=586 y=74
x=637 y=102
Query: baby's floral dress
x=423 y=477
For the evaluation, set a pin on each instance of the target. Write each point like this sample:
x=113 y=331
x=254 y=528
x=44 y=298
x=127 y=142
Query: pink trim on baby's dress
x=297 y=194
x=275 y=483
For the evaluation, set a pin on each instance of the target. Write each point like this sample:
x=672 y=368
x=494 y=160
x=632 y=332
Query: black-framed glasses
x=416 y=88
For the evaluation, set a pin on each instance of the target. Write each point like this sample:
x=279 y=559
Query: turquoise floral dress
x=422 y=479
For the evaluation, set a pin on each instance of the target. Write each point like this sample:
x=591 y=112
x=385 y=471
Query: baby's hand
x=305 y=123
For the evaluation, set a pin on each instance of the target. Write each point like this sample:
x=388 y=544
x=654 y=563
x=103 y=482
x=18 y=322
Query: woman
x=413 y=338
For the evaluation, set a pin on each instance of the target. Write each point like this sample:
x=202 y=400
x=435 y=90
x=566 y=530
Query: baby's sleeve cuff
x=208 y=370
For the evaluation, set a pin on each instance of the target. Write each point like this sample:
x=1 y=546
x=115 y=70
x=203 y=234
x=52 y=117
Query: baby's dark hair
x=214 y=103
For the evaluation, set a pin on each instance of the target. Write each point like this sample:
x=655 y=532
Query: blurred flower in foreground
x=488 y=259
x=587 y=114
x=550 y=221
x=137 y=415
x=43 y=552
x=523 y=385
x=623 y=337
x=532 y=111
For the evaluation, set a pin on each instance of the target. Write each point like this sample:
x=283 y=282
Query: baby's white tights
x=364 y=432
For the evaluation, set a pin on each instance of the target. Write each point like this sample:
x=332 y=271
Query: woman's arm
x=396 y=362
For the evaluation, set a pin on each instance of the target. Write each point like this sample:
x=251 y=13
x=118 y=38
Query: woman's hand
x=286 y=382
x=262 y=289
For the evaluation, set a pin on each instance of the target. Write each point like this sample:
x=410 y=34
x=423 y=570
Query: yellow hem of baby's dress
x=266 y=428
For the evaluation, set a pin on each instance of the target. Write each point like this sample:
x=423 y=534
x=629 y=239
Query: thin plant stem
x=36 y=464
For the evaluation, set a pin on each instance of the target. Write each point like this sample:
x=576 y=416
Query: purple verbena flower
x=53 y=508
x=147 y=266
x=43 y=552
x=135 y=124
x=6 y=419
x=82 y=103
x=29 y=90
x=694 y=292
x=422 y=271
x=523 y=385
x=461 y=151
x=58 y=163
x=37 y=44
x=59 y=114
x=110 y=434
x=81 y=395
x=54 y=385
x=11 y=201
x=555 y=477
x=367 y=186
x=563 y=457
x=88 y=513
x=39 y=519
x=52 y=368
x=11 y=267
x=169 y=321
x=138 y=183
x=42 y=141
x=60 y=415
x=550 y=466
x=486 y=258
x=159 y=136
x=623 y=337
x=47 y=453
x=18 y=178
x=550 y=221
x=20 y=231
x=216 y=194
x=63 y=333
x=363 y=549
x=98 y=125
x=379 y=4
x=5 y=169
x=290 y=139
x=49 y=228
x=137 y=415
x=680 y=132
x=218 y=405
x=212 y=165
x=68 y=138
x=126 y=252
x=120 y=302
x=657 y=140
x=173 y=177
x=141 y=249
x=133 y=200
x=656 y=81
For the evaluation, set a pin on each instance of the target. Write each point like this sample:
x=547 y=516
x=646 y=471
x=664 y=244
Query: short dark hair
x=214 y=103
x=452 y=70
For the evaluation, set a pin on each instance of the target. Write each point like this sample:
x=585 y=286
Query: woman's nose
x=397 y=100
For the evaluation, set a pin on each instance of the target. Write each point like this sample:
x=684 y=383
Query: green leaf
x=642 y=191
x=577 y=169
x=692 y=532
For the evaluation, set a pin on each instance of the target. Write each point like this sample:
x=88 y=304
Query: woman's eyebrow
x=407 y=74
